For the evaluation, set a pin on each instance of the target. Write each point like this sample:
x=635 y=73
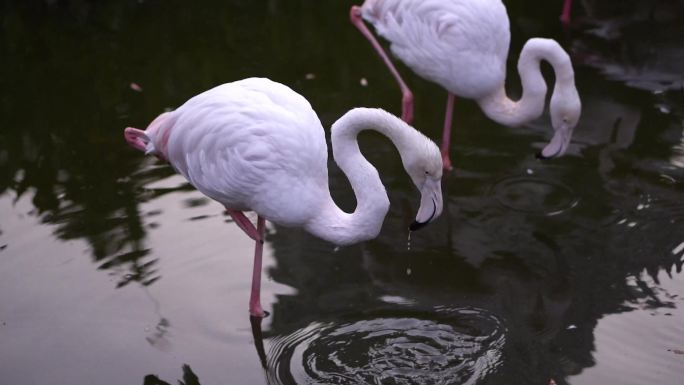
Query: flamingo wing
x=252 y=145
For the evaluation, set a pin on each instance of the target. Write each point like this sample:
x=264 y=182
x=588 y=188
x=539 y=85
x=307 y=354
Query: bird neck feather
x=372 y=203
x=499 y=107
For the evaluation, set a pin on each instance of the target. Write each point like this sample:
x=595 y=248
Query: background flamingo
x=462 y=45
x=257 y=145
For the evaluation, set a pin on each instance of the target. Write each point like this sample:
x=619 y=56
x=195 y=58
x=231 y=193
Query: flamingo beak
x=430 y=204
x=558 y=144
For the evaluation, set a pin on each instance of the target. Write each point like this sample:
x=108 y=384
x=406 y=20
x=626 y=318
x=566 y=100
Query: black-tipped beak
x=415 y=225
x=558 y=144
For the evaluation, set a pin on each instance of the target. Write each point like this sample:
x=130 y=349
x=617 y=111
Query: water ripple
x=444 y=346
x=534 y=195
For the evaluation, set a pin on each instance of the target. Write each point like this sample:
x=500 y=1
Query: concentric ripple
x=534 y=195
x=447 y=346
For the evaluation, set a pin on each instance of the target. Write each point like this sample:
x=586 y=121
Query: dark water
x=114 y=271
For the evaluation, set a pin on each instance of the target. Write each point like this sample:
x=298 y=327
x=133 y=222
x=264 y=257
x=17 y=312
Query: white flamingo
x=462 y=45
x=257 y=145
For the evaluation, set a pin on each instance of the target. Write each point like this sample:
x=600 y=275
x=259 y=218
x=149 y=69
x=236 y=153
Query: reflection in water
x=189 y=378
x=446 y=346
x=640 y=45
x=677 y=157
x=534 y=195
x=159 y=336
x=257 y=334
x=522 y=280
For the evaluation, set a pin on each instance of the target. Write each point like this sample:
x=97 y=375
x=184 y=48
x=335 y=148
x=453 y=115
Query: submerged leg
x=565 y=16
x=446 y=132
x=407 y=95
x=257 y=234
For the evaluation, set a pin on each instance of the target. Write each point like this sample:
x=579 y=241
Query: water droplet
x=571 y=327
x=665 y=109
x=310 y=76
x=408 y=242
x=678 y=249
x=641 y=206
x=408 y=271
x=363 y=82
x=336 y=249
x=530 y=171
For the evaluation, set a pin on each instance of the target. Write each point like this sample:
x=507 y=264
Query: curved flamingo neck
x=499 y=107
x=372 y=203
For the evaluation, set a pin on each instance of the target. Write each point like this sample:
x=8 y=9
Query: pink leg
x=255 y=296
x=258 y=235
x=565 y=16
x=407 y=95
x=446 y=132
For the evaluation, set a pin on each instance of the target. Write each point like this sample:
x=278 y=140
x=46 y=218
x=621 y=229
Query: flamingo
x=462 y=45
x=257 y=145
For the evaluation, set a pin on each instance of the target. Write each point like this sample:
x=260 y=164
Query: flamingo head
x=565 y=108
x=424 y=166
